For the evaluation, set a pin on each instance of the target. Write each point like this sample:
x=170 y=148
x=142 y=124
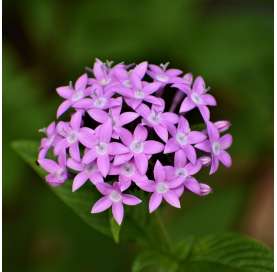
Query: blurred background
x=46 y=43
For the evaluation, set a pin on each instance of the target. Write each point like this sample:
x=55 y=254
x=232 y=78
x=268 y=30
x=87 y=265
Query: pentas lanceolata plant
x=128 y=126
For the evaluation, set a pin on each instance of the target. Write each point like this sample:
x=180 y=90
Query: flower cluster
x=128 y=126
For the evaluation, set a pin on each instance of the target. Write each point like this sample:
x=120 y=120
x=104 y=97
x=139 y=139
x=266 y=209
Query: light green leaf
x=80 y=201
x=212 y=253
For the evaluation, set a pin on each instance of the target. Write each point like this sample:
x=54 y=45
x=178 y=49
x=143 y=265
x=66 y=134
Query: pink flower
x=101 y=148
x=157 y=119
x=164 y=75
x=73 y=95
x=198 y=97
x=71 y=134
x=49 y=141
x=183 y=139
x=127 y=172
x=117 y=119
x=216 y=145
x=57 y=172
x=113 y=197
x=161 y=188
x=138 y=148
x=85 y=172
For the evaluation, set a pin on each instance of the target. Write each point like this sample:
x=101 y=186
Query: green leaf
x=224 y=253
x=154 y=261
x=80 y=201
x=115 y=229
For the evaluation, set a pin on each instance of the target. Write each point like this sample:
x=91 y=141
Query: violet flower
x=73 y=95
x=101 y=148
x=157 y=119
x=57 y=172
x=183 y=139
x=49 y=141
x=198 y=97
x=216 y=145
x=71 y=134
x=138 y=148
x=85 y=172
x=161 y=188
x=117 y=119
x=164 y=75
x=114 y=197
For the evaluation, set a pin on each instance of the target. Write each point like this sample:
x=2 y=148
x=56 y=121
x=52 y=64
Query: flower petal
x=127 y=117
x=186 y=105
x=98 y=115
x=76 y=120
x=195 y=137
x=123 y=158
x=87 y=137
x=204 y=146
x=155 y=202
x=153 y=147
x=225 y=158
x=208 y=100
x=117 y=148
x=193 y=185
x=140 y=69
x=101 y=205
x=171 y=146
x=118 y=212
x=63 y=108
x=159 y=171
x=105 y=131
x=130 y=200
x=64 y=92
x=49 y=165
x=140 y=133
x=151 y=88
x=75 y=165
x=204 y=110
x=89 y=156
x=226 y=141
x=161 y=132
x=172 y=199
x=103 y=163
x=81 y=82
x=125 y=136
x=74 y=151
x=79 y=181
x=141 y=162
x=190 y=153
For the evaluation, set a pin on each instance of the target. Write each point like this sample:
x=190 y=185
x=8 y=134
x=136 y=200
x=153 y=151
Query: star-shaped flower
x=183 y=139
x=117 y=119
x=85 y=172
x=138 y=148
x=161 y=188
x=73 y=95
x=157 y=119
x=57 y=172
x=49 y=141
x=101 y=148
x=198 y=97
x=114 y=197
x=217 y=146
x=71 y=134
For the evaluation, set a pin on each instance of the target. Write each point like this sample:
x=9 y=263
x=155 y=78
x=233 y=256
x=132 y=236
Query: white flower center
x=195 y=97
x=137 y=146
x=115 y=196
x=181 y=172
x=101 y=148
x=72 y=137
x=127 y=169
x=77 y=96
x=105 y=81
x=139 y=94
x=127 y=83
x=161 y=188
x=216 y=148
x=181 y=138
x=162 y=78
x=100 y=102
x=154 y=118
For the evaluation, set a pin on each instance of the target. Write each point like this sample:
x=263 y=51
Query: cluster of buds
x=127 y=126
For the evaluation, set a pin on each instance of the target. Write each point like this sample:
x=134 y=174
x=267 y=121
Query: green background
x=47 y=43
